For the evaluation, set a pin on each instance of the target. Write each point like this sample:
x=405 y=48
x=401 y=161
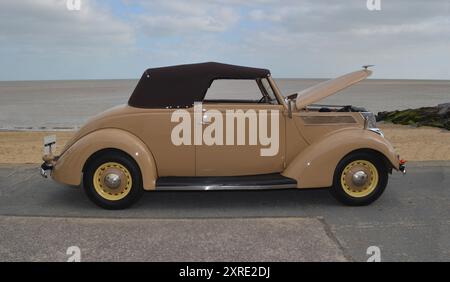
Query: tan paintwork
x=311 y=144
x=315 y=165
x=68 y=169
x=329 y=87
x=153 y=128
x=221 y=160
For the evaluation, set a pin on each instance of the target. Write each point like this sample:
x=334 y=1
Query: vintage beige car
x=171 y=137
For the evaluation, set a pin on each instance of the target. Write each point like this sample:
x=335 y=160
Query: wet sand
x=413 y=144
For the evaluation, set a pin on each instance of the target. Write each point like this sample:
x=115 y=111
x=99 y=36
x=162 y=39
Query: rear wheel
x=359 y=179
x=113 y=180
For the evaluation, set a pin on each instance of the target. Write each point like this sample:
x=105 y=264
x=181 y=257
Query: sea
x=66 y=105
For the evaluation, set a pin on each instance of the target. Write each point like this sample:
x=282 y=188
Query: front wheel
x=359 y=179
x=113 y=180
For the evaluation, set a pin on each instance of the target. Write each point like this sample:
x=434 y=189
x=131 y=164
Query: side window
x=234 y=90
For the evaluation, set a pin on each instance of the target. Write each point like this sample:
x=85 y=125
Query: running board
x=205 y=183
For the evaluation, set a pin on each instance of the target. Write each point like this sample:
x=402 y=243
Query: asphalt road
x=139 y=239
x=410 y=222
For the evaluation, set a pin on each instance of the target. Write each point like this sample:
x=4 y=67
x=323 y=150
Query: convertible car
x=173 y=136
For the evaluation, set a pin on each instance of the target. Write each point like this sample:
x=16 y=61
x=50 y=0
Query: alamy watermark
x=373 y=5
x=374 y=254
x=73 y=5
x=74 y=254
x=209 y=128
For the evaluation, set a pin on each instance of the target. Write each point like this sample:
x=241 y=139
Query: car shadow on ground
x=28 y=194
x=73 y=201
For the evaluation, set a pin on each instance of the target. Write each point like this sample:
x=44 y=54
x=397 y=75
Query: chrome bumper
x=402 y=168
x=46 y=170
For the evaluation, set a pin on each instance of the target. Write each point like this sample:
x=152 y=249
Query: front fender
x=68 y=168
x=314 y=167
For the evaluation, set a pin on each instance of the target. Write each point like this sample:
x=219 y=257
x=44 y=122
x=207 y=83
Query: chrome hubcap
x=112 y=180
x=359 y=178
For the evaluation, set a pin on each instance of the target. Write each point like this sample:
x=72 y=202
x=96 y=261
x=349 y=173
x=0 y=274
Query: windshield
x=268 y=89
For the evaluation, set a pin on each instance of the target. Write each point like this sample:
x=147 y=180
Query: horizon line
x=137 y=78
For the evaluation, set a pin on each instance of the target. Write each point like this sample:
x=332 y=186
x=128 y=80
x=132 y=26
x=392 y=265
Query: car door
x=240 y=137
x=155 y=127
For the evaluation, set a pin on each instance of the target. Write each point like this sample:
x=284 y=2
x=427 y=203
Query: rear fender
x=69 y=167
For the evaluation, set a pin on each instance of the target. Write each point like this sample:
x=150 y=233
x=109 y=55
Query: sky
x=115 y=39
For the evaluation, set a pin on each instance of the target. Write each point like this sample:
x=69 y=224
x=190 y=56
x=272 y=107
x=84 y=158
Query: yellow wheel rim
x=112 y=181
x=359 y=178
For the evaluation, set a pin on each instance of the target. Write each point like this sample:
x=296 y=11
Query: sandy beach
x=19 y=147
x=413 y=144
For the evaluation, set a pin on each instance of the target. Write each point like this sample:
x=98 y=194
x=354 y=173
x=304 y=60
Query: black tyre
x=112 y=180
x=359 y=179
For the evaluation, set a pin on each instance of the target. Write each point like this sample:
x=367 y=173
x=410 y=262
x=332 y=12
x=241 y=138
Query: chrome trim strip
x=224 y=187
x=319 y=120
x=377 y=131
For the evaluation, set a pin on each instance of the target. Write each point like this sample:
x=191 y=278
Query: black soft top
x=182 y=85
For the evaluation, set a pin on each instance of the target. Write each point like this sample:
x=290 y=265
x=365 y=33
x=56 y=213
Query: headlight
x=370 y=123
x=369 y=118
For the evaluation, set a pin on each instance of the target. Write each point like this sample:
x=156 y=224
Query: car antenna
x=367 y=66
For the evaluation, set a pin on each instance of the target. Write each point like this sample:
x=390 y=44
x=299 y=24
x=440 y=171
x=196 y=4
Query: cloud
x=295 y=38
x=48 y=24
x=167 y=18
x=435 y=26
x=44 y=40
x=346 y=34
x=325 y=16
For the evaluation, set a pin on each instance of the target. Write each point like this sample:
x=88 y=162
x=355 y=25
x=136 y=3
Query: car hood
x=329 y=87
